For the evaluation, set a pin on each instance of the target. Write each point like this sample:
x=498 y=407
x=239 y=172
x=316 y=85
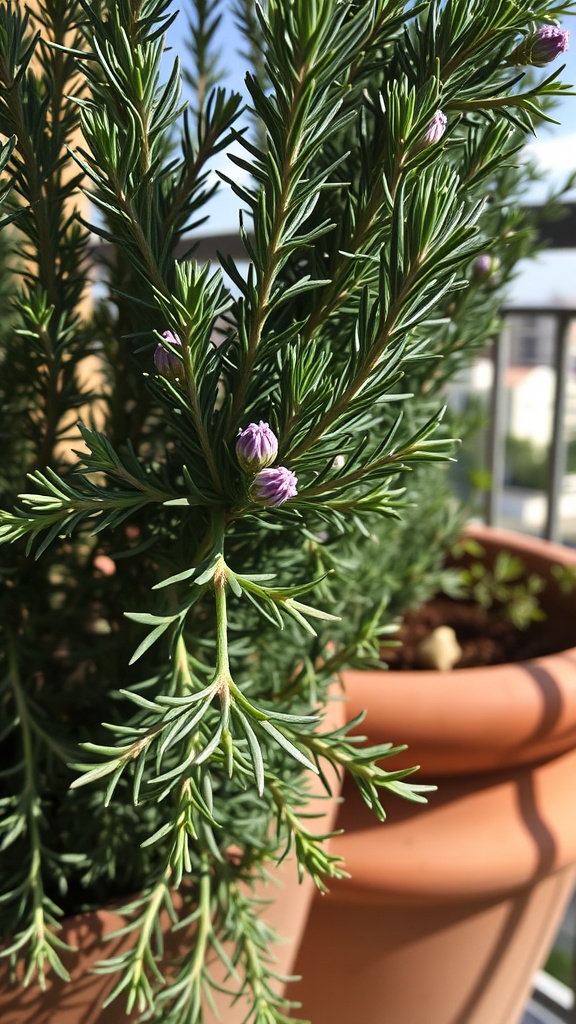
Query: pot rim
x=476 y=719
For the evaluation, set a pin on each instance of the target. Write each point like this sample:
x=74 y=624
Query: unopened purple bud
x=436 y=128
x=484 y=266
x=256 y=447
x=274 y=486
x=541 y=47
x=168 y=364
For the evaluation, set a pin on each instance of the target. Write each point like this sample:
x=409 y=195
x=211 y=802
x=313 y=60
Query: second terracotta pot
x=451 y=906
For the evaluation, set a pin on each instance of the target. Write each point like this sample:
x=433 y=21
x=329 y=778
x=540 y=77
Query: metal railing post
x=496 y=440
x=557 y=450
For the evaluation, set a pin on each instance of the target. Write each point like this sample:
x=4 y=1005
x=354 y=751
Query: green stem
x=222 y=659
x=494 y=103
x=200 y=429
x=157 y=280
x=273 y=255
x=337 y=291
x=154 y=904
x=205 y=924
x=32 y=804
x=251 y=954
x=191 y=174
x=51 y=415
x=27 y=744
x=195 y=968
x=366 y=368
x=358 y=474
x=45 y=195
x=45 y=256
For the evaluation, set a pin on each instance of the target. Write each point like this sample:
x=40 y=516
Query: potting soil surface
x=485 y=635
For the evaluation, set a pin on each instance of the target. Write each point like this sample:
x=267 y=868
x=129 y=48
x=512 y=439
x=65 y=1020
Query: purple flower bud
x=256 y=447
x=484 y=266
x=168 y=364
x=436 y=128
x=541 y=47
x=274 y=486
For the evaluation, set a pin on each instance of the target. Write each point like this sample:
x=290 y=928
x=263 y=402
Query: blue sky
x=552 y=277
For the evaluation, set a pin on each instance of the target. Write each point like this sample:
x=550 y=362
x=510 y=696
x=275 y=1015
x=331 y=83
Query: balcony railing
x=496 y=448
x=551 y=1003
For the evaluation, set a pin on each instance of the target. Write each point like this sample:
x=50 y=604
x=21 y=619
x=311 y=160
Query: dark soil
x=485 y=636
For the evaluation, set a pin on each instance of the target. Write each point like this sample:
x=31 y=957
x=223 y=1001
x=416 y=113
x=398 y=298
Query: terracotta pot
x=287 y=904
x=452 y=906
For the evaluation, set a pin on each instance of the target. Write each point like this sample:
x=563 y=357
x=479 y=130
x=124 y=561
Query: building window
x=528 y=349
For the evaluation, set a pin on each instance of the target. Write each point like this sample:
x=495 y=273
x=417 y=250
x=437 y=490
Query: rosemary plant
x=198 y=461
